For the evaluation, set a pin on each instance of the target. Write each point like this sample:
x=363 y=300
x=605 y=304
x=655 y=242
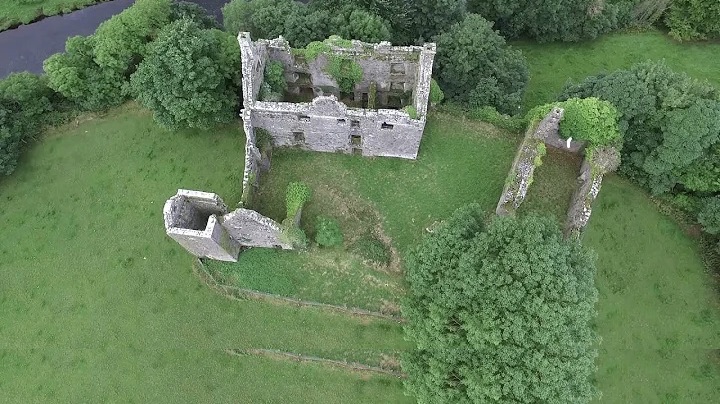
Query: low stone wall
x=521 y=173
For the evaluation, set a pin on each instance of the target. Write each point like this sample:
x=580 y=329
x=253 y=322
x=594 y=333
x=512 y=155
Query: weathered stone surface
x=328 y=125
x=200 y=223
x=252 y=229
x=191 y=220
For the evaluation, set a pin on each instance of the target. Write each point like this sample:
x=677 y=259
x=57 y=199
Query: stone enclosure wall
x=594 y=166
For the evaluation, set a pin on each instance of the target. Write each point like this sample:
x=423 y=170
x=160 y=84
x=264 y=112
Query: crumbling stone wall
x=200 y=222
x=192 y=219
x=251 y=173
x=327 y=124
x=521 y=173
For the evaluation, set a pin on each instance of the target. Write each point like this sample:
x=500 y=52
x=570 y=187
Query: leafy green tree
x=307 y=26
x=190 y=77
x=670 y=124
x=194 y=12
x=77 y=76
x=361 y=25
x=121 y=42
x=474 y=66
x=709 y=215
x=500 y=313
x=694 y=19
x=261 y=18
x=395 y=14
x=549 y=20
x=428 y=18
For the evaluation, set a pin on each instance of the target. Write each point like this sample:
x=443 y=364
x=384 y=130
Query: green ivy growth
x=412 y=111
x=275 y=76
x=541 y=151
x=312 y=50
x=345 y=71
x=292 y=234
x=436 y=93
x=372 y=95
x=296 y=196
x=337 y=41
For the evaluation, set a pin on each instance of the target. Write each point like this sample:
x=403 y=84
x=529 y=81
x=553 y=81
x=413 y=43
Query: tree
x=499 y=313
x=475 y=66
x=709 y=215
x=670 y=124
x=261 y=18
x=694 y=19
x=27 y=104
x=428 y=18
x=121 y=41
x=361 y=25
x=77 y=76
x=549 y=20
x=190 y=77
x=194 y=12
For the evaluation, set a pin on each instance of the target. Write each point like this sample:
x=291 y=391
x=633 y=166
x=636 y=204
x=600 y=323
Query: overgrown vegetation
x=16 y=12
x=495 y=308
x=346 y=72
x=190 y=77
x=327 y=232
x=693 y=19
x=474 y=66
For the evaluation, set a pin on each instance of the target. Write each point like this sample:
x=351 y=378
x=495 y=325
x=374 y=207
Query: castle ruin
x=384 y=114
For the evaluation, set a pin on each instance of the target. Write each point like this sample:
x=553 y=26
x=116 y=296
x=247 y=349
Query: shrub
x=275 y=76
x=296 y=195
x=190 y=78
x=345 y=71
x=436 y=93
x=327 y=232
x=475 y=67
x=493 y=309
x=489 y=114
x=372 y=249
x=709 y=215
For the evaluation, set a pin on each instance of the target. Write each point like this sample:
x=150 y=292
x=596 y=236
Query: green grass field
x=98 y=304
x=553 y=64
x=13 y=12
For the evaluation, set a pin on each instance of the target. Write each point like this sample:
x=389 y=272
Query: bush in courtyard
x=549 y=20
x=436 y=93
x=474 y=66
x=709 y=215
x=670 y=125
x=327 y=232
x=296 y=195
x=500 y=313
x=190 y=77
x=693 y=19
x=372 y=249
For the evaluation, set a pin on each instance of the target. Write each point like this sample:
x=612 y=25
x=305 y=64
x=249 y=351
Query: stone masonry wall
x=328 y=125
x=184 y=215
x=252 y=229
x=521 y=173
x=581 y=204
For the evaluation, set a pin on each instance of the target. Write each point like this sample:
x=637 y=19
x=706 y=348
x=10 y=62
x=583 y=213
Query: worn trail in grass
x=98 y=304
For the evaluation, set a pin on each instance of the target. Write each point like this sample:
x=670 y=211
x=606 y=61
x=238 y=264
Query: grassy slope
x=658 y=315
x=14 y=12
x=98 y=304
x=553 y=64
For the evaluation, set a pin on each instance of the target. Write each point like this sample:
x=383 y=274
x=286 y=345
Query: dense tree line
x=694 y=19
x=671 y=127
x=500 y=312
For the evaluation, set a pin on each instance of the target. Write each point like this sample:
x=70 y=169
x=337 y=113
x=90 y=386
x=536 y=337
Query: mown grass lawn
x=13 y=12
x=98 y=304
x=553 y=64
